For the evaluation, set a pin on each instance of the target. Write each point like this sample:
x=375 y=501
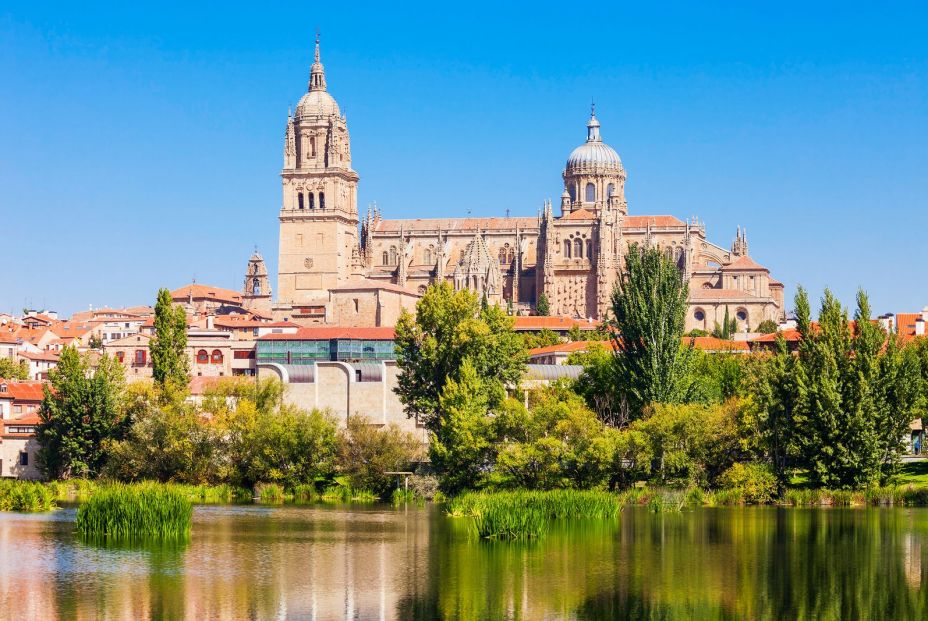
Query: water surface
x=291 y=562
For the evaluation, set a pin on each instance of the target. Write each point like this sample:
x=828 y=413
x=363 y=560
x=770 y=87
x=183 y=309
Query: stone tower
x=319 y=213
x=256 y=289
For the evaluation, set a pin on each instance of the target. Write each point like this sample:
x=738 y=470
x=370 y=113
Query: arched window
x=312 y=201
x=393 y=260
x=321 y=200
x=589 y=249
x=578 y=248
x=610 y=190
x=217 y=357
x=386 y=258
x=202 y=357
x=566 y=248
x=572 y=192
x=590 y=193
x=255 y=286
x=312 y=145
x=428 y=256
x=299 y=200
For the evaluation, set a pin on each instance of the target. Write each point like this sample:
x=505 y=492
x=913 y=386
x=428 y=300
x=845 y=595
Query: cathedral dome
x=594 y=152
x=317 y=103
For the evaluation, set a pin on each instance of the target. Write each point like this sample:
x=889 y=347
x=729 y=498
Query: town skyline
x=209 y=169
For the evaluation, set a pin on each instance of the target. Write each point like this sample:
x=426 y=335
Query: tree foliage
x=367 y=452
x=649 y=307
x=12 y=370
x=767 y=326
x=727 y=329
x=450 y=327
x=82 y=410
x=168 y=346
x=543 y=307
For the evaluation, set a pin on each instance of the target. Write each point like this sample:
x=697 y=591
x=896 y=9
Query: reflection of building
x=573 y=257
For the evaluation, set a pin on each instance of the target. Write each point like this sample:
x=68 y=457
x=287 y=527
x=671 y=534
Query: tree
x=461 y=436
x=767 y=326
x=81 y=412
x=96 y=342
x=851 y=393
x=649 y=306
x=597 y=385
x=728 y=328
x=367 y=452
x=12 y=370
x=450 y=327
x=168 y=346
x=542 y=307
x=542 y=338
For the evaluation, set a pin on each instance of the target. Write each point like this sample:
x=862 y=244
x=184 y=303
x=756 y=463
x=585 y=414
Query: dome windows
x=590 y=193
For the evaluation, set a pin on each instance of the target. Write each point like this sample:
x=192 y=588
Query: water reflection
x=382 y=563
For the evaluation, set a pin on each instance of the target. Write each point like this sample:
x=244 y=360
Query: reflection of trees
x=738 y=563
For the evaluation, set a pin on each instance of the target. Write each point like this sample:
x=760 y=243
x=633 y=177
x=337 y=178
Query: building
x=19 y=415
x=335 y=268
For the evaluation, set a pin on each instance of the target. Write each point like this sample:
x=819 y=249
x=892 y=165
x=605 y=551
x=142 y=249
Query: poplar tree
x=168 y=346
x=543 y=307
x=649 y=305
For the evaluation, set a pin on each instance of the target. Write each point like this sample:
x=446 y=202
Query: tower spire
x=317 y=71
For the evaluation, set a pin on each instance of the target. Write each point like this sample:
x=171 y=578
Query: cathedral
x=340 y=268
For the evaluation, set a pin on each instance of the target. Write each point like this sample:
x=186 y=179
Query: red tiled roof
x=635 y=222
x=720 y=294
x=791 y=335
x=553 y=323
x=744 y=263
x=710 y=343
x=455 y=224
x=580 y=214
x=21 y=391
x=31 y=335
x=7 y=337
x=206 y=292
x=324 y=333
x=47 y=356
x=570 y=347
x=905 y=323
x=65 y=329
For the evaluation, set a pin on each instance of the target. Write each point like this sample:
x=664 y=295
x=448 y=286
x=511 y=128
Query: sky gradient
x=141 y=146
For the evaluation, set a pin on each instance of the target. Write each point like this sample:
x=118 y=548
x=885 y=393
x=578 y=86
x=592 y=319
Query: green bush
x=136 y=510
x=756 y=482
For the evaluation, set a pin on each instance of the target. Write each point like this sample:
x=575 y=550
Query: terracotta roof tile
x=744 y=263
x=720 y=294
x=579 y=214
x=21 y=391
x=635 y=222
x=206 y=292
x=553 y=323
x=455 y=224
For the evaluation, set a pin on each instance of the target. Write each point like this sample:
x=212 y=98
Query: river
x=336 y=562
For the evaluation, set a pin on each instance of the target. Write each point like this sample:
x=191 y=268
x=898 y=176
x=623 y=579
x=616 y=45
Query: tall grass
x=269 y=492
x=120 y=510
x=526 y=514
x=25 y=496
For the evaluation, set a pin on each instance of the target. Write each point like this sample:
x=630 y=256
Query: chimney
x=209 y=322
x=885 y=322
x=919 y=327
x=925 y=313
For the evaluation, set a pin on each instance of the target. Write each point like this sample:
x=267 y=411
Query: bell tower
x=319 y=212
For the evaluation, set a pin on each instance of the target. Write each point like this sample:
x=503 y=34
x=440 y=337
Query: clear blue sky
x=141 y=145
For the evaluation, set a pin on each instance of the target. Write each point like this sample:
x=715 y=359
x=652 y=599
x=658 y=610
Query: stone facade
x=573 y=257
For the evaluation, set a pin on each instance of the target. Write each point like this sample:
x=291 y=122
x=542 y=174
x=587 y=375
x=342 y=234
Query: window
x=140 y=357
x=321 y=200
x=17 y=409
x=578 y=248
x=299 y=200
x=566 y=248
x=217 y=357
x=428 y=256
x=610 y=190
x=590 y=193
x=700 y=315
x=202 y=357
x=255 y=286
x=312 y=201
x=23 y=458
x=393 y=260
x=386 y=258
x=120 y=356
x=312 y=146
x=573 y=192
x=244 y=354
x=589 y=249
x=742 y=314
x=357 y=375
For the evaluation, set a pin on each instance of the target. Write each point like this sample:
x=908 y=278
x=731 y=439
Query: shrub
x=269 y=492
x=367 y=452
x=757 y=483
x=138 y=510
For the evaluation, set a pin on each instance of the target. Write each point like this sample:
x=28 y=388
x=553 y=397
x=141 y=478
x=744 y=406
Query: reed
x=25 y=496
x=346 y=493
x=269 y=492
x=526 y=514
x=405 y=497
x=304 y=492
x=124 y=511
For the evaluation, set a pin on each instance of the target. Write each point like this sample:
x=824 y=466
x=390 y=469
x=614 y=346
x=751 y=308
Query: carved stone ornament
x=308 y=261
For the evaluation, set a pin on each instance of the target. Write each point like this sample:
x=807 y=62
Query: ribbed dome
x=594 y=152
x=317 y=103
